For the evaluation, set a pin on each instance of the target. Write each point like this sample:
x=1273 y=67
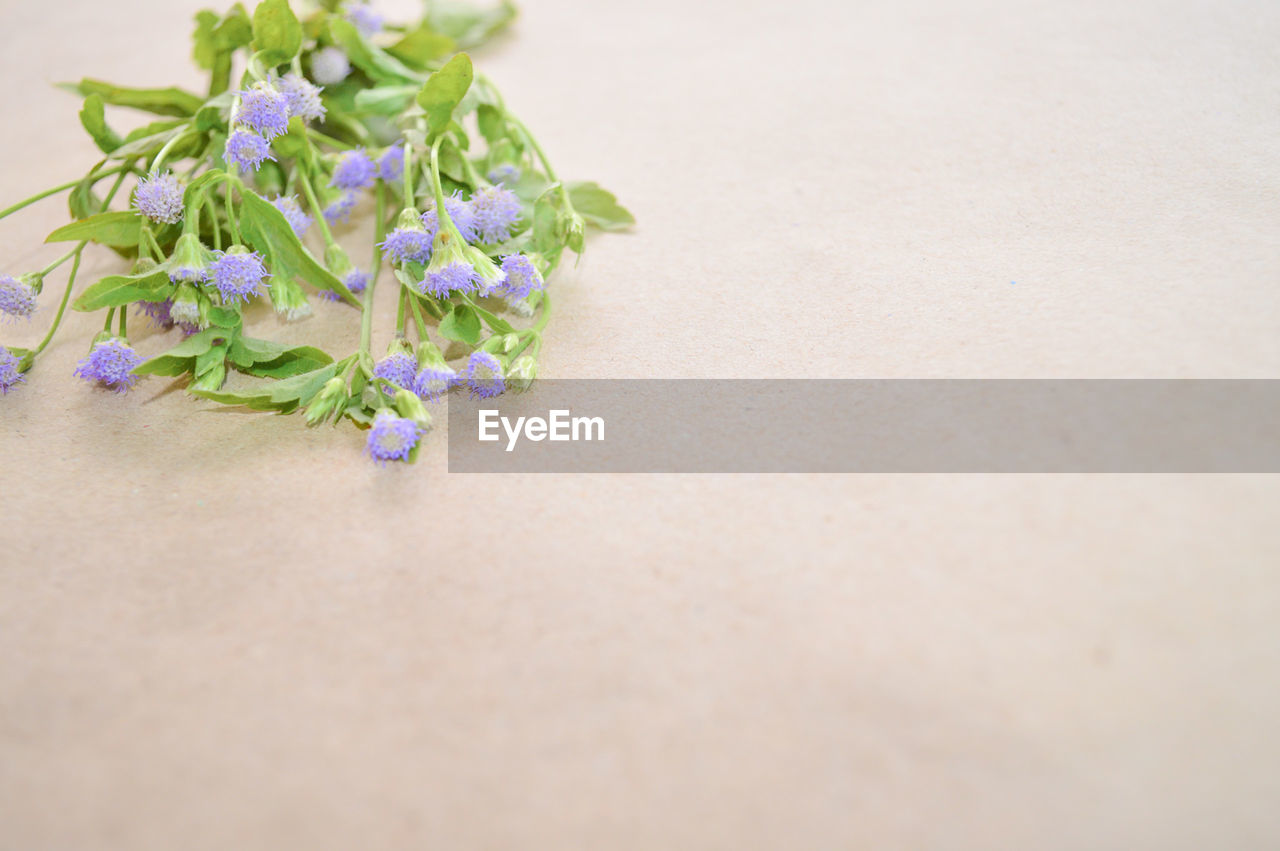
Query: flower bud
x=328 y=401
x=288 y=298
x=522 y=372
x=409 y=406
x=190 y=260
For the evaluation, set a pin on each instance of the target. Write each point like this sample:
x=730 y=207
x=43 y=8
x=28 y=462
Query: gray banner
x=871 y=426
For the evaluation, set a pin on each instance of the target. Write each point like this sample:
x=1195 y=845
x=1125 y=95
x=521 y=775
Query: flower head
x=159 y=312
x=458 y=211
x=434 y=380
x=10 y=374
x=17 y=297
x=522 y=276
x=484 y=375
x=293 y=214
x=504 y=174
x=356 y=280
x=301 y=97
x=329 y=66
x=391 y=164
x=366 y=20
x=392 y=437
x=159 y=197
x=354 y=170
x=460 y=276
x=494 y=210
x=111 y=362
x=263 y=109
x=398 y=367
x=409 y=241
x=247 y=150
x=190 y=260
x=339 y=210
x=237 y=273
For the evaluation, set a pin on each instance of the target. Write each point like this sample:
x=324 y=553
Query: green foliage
x=443 y=91
x=277 y=35
x=163 y=101
x=266 y=230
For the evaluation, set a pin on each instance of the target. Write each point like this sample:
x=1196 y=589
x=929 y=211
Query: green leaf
x=272 y=395
x=149 y=143
x=599 y=206
x=421 y=46
x=444 y=90
x=182 y=357
x=500 y=326
x=83 y=201
x=467 y=25
x=120 y=229
x=385 y=100
x=266 y=358
x=166 y=101
x=277 y=35
x=117 y=290
x=93 y=117
x=373 y=60
x=461 y=324
x=265 y=229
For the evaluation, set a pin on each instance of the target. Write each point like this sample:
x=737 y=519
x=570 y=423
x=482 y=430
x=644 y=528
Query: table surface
x=225 y=630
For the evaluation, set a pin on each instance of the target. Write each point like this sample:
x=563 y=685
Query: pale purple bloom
x=455 y=276
x=391 y=165
x=329 y=66
x=432 y=382
x=339 y=210
x=459 y=212
x=354 y=170
x=293 y=213
x=301 y=96
x=356 y=280
x=237 y=275
x=159 y=197
x=17 y=298
x=9 y=374
x=484 y=376
x=263 y=109
x=392 y=438
x=504 y=174
x=366 y=20
x=110 y=362
x=405 y=244
x=493 y=211
x=158 y=312
x=522 y=276
x=247 y=150
x=398 y=368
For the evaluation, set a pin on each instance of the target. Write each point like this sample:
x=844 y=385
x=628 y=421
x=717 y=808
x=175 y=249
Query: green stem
x=546 y=163
x=366 y=319
x=417 y=318
x=62 y=307
x=441 y=215
x=111 y=314
x=169 y=146
x=316 y=210
x=400 y=311
x=408 y=176
x=213 y=221
x=124 y=315
x=329 y=140
x=55 y=190
x=232 y=220
x=546 y=314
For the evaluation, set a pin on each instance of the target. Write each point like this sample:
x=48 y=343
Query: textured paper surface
x=221 y=630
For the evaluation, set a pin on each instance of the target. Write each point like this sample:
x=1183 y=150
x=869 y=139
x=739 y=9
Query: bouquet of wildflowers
x=231 y=191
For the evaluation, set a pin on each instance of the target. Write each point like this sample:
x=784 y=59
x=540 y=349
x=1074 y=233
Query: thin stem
x=441 y=215
x=111 y=314
x=232 y=220
x=408 y=176
x=305 y=180
x=169 y=146
x=124 y=315
x=62 y=307
x=213 y=221
x=546 y=314
x=61 y=188
x=366 y=319
x=400 y=311
x=546 y=163
x=417 y=318
x=329 y=140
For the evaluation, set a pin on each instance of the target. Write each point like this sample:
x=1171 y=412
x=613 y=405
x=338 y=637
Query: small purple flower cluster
x=10 y=376
x=17 y=299
x=392 y=437
x=293 y=213
x=159 y=197
x=110 y=363
x=237 y=274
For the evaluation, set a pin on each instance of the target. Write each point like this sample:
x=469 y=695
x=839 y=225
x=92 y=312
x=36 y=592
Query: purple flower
x=455 y=276
x=237 y=274
x=158 y=312
x=159 y=197
x=293 y=214
x=329 y=66
x=263 y=109
x=301 y=97
x=340 y=209
x=391 y=165
x=432 y=382
x=366 y=20
x=522 y=276
x=9 y=374
x=493 y=211
x=17 y=298
x=504 y=174
x=110 y=362
x=405 y=244
x=392 y=438
x=247 y=150
x=459 y=213
x=484 y=376
x=356 y=280
x=354 y=170
x=398 y=368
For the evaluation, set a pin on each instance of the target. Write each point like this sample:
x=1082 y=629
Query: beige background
x=221 y=630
